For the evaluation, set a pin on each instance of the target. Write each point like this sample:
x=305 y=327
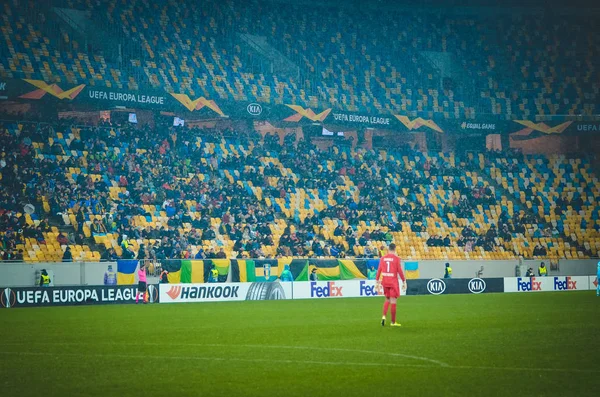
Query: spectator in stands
x=334 y=251
x=142 y=252
x=468 y=232
x=127 y=253
x=211 y=254
x=362 y=241
x=539 y=250
x=447 y=241
x=62 y=239
x=469 y=244
x=200 y=254
x=39 y=235
x=79 y=238
x=98 y=228
x=210 y=234
x=339 y=231
x=67 y=256
x=43 y=226
x=218 y=198
x=221 y=254
x=71 y=239
x=19 y=256
x=112 y=254
x=103 y=255
x=505 y=233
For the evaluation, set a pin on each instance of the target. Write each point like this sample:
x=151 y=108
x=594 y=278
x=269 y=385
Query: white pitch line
x=313 y=348
x=224 y=359
x=519 y=369
x=308 y=362
x=334 y=349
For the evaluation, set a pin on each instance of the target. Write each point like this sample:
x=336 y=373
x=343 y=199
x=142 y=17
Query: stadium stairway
x=58 y=222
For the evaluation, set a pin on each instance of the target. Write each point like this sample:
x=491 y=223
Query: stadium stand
x=117 y=191
x=175 y=193
x=541 y=65
x=562 y=192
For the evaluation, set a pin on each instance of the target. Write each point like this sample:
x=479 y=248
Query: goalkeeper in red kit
x=387 y=276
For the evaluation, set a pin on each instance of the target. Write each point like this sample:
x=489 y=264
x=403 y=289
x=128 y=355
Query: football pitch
x=540 y=344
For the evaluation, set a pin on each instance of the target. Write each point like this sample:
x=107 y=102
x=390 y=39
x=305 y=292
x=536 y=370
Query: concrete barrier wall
x=467 y=269
x=563 y=267
x=93 y=272
x=24 y=274
x=65 y=274
x=580 y=267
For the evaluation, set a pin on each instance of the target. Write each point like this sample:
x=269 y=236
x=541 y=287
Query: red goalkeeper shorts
x=392 y=291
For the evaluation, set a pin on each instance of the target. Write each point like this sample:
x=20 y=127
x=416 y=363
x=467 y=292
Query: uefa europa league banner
x=80 y=96
x=72 y=296
x=93 y=97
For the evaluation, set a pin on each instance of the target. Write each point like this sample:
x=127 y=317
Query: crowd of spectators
x=171 y=168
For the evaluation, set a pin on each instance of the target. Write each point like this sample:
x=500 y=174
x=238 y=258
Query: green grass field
x=544 y=344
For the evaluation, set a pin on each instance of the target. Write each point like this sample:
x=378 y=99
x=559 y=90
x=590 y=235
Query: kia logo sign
x=436 y=286
x=476 y=285
x=254 y=109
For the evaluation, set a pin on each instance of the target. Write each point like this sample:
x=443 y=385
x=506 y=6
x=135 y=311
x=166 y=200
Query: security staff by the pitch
x=214 y=275
x=542 y=270
x=530 y=273
x=448 y=271
x=44 y=279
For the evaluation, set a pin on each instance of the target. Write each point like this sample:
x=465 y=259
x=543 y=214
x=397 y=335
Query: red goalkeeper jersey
x=389 y=270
